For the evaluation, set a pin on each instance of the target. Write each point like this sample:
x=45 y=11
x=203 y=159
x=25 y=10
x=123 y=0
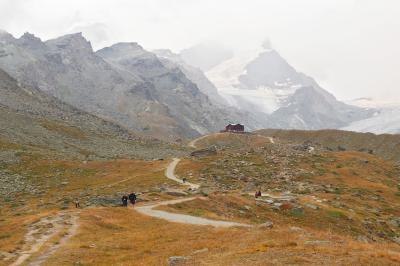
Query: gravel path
x=192 y=144
x=170 y=173
x=183 y=218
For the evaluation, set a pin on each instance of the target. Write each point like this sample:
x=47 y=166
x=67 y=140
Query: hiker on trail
x=77 y=205
x=258 y=194
x=132 y=198
x=124 y=201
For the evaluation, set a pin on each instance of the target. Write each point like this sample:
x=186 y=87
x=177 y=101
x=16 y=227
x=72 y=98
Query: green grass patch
x=336 y=214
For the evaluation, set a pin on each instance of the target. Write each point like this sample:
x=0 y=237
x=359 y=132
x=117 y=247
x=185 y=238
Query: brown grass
x=115 y=235
x=69 y=131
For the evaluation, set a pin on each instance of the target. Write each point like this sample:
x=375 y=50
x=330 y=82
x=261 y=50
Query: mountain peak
x=267 y=44
x=30 y=40
x=74 y=41
x=122 y=50
x=29 y=36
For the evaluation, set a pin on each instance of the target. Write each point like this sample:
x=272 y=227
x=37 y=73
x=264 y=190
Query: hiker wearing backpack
x=132 y=198
x=124 y=201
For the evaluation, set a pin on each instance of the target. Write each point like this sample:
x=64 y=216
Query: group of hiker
x=131 y=197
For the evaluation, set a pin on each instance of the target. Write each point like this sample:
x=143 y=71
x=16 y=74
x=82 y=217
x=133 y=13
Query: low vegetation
x=317 y=206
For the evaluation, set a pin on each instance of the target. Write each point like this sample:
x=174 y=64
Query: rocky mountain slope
x=35 y=124
x=195 y=74
x=123 y=83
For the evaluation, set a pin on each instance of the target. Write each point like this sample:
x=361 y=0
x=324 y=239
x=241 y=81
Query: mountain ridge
x=134 y=89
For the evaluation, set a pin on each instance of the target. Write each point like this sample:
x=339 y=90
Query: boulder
x=266 y=225
x=311 y=206
x=204 y=250
x=176 y=260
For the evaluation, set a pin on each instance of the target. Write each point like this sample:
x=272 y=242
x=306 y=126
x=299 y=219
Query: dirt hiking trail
x=45 y=237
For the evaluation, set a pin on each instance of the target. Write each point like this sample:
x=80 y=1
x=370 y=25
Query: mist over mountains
x=169 y=95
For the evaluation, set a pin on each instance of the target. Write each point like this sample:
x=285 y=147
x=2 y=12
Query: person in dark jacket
x=132 y=198
x=124 y=201
x=77 y=203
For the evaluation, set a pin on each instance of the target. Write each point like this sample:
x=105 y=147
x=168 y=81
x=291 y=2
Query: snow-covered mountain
x=261 y=81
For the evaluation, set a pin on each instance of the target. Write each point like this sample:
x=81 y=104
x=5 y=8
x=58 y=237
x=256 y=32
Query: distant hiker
x=258 y=194
x=77 y=205
x=132 y=198
x=124 y=201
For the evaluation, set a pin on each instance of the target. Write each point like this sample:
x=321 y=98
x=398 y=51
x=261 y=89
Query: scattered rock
x=295 y=229
x=395 y=222
x=363 y=239
x=297 y=211
x=277 y=205
x=311 y=206
x=266 y=225
x=396 y=240
x=176 y=260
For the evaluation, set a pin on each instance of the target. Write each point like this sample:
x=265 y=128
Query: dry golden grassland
x=118 y=236
x=62 y=181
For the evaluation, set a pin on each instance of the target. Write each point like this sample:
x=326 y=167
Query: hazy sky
x=352 y=47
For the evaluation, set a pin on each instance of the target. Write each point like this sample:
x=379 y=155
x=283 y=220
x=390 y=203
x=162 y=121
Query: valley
x=313 y=201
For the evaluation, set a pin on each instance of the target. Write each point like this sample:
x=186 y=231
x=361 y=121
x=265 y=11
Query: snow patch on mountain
x=383 y=121
x=367 y=102
x=265 y=99
x=226 y=75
